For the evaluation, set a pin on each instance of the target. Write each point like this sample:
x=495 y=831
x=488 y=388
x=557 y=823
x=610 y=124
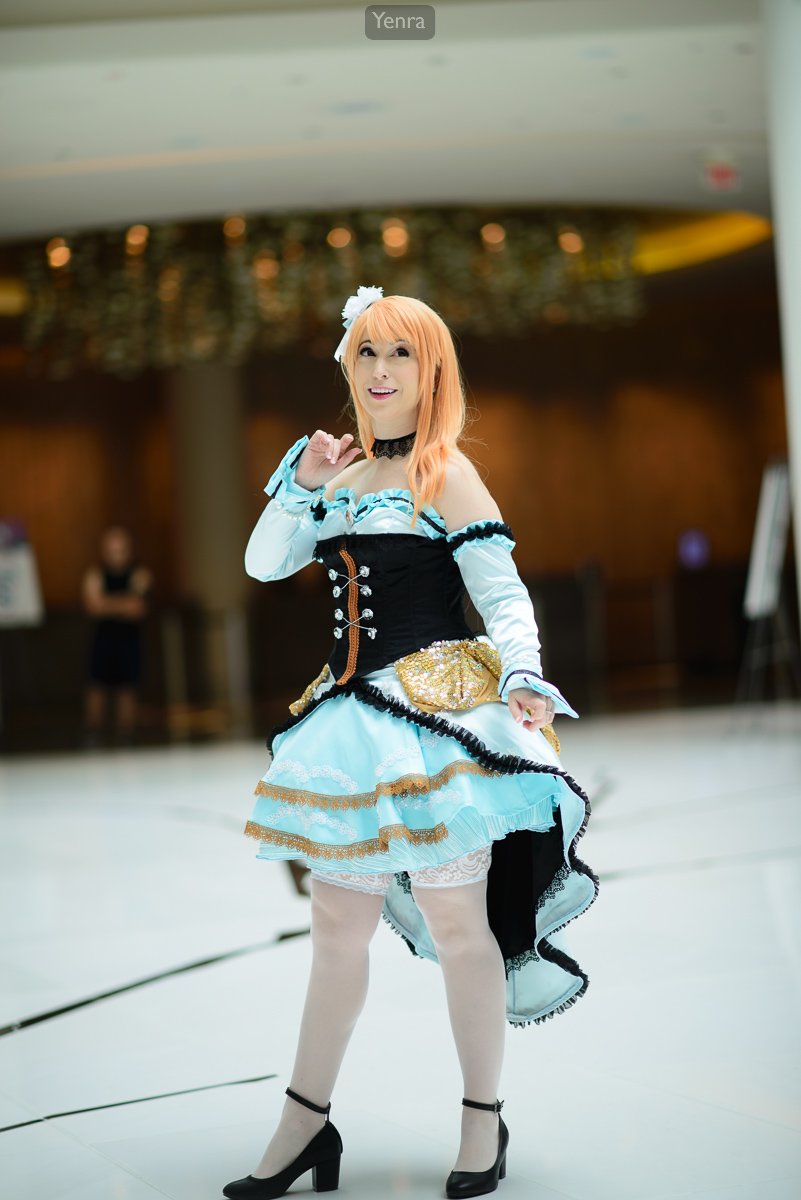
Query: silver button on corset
x=364 y=590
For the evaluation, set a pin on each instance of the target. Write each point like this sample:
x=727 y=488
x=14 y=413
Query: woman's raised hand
x=324 y=457
x=530 y=709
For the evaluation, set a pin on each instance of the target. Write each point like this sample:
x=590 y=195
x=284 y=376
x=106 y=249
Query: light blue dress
x=362 y=781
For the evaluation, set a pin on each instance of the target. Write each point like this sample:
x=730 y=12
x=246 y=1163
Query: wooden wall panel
x=268 y=437
x=616 y=480
x=56 y=480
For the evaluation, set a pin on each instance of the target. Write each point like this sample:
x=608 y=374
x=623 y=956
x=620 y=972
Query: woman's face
x=115 y=548
x=387 y=378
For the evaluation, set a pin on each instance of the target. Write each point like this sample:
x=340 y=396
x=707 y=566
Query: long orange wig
x=440 y=415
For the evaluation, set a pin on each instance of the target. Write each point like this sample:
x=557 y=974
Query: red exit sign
x=720 y=174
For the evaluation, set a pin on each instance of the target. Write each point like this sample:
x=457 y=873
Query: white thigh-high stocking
x=475 y=984
x=343 y=923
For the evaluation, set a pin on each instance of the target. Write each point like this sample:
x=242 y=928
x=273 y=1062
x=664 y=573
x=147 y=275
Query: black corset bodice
x=394 y=593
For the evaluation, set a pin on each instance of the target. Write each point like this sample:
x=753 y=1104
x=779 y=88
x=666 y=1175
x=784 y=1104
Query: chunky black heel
x=325 y=1176
x=321 y=1157
x=479 y=1183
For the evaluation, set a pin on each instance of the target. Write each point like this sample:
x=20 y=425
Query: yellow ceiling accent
x=13 y=297
x=698 y=240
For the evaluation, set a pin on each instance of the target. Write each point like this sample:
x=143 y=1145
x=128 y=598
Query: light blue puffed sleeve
x=286 y=533
x=483 y=553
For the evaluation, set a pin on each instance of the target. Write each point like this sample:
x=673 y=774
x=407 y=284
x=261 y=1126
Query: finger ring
x=528 y=710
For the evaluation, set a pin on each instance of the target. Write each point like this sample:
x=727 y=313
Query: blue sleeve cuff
x=520 y=676
x=282 y=485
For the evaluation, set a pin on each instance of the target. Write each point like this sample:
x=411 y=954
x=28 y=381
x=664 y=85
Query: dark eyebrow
x=400 y=342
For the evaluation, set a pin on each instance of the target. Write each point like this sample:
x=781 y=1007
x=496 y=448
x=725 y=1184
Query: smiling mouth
x=382 y=391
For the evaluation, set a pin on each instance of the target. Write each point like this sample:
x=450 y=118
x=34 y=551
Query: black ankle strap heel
x=321 y=1157
x=461 y=1184
x=324 y=1112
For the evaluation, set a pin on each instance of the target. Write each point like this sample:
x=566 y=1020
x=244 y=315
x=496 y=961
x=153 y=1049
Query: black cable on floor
x=193 y=966
x=139 y=1100
x=746 y=859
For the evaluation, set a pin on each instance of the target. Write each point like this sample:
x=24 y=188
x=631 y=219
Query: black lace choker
x=393 y=447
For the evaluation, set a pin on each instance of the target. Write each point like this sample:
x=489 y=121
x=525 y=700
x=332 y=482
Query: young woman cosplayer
x=414 y=776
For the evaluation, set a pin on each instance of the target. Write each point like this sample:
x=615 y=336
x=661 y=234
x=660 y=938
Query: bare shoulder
x=349 y=478
x=465 y=498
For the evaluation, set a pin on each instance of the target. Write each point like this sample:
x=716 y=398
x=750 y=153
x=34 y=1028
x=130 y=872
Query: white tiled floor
x=677 y=1076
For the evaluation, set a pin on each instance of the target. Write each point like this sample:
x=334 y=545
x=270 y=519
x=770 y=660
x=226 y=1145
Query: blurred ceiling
x=119 y=111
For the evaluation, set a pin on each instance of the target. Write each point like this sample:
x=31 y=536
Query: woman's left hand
x=531 y=709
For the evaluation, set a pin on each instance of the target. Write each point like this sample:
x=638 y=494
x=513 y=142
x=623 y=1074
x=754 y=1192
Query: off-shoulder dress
x=402 y=755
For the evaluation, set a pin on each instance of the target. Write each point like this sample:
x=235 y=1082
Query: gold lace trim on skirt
x=407 y=785
x=379 y=845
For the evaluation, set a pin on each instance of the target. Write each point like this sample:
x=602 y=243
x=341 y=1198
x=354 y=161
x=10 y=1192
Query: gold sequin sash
x=444 y=675
x=450 y=675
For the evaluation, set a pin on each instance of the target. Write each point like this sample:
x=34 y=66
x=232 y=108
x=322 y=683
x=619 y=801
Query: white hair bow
x=355 y=306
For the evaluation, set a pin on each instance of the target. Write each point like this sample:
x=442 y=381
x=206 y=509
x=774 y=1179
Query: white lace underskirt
x=470 y=868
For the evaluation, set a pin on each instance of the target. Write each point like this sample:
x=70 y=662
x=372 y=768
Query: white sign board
x=769 y=545
x=20 y=595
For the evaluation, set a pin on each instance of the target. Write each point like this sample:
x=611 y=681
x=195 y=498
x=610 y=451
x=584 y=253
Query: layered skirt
x=363 y=781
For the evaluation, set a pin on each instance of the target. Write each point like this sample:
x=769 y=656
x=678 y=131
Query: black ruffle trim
x=473 y=534
x=507 y=764
x=400 y=933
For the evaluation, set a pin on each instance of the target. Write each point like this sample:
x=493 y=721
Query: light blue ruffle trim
x=282 y=485
x=390 y=498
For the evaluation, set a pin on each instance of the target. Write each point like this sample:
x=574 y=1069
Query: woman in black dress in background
x=114 y=594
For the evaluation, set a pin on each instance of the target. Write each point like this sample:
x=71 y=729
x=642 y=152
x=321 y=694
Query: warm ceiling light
x=571 y=241
x=493 y=236
x=234 y=230
x=683 y=242
x=265 y=266
x=395 y=236
x=339 y=237
x=58 y=252
x=293 y=251
x=136 y=239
